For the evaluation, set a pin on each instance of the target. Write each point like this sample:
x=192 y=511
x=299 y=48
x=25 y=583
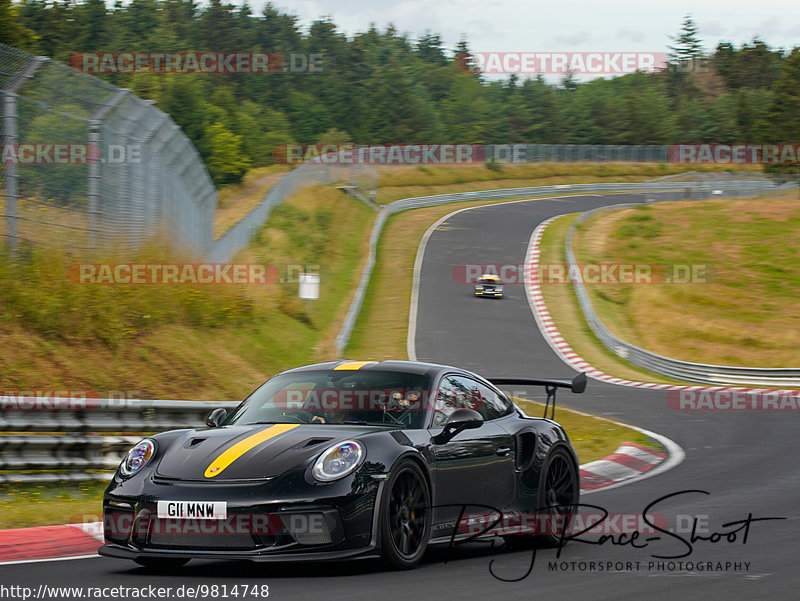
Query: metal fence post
x=11 y=176
x=93 y=182
x=10 y=136
x=94 y=174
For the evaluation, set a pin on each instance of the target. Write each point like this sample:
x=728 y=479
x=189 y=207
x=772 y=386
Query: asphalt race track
x=744 y=460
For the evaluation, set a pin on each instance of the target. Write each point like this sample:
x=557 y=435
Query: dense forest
x=382 y=86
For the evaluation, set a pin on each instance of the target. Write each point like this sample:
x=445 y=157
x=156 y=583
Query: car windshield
x=371 y=397
x=488 y=282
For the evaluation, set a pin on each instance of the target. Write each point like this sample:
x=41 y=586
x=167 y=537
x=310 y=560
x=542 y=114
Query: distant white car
x=490 y=286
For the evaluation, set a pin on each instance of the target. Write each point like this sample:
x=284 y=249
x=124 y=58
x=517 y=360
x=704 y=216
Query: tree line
x=383 y=86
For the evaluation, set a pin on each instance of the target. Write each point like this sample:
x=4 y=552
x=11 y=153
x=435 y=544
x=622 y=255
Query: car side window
x=450 y=395
x=481 y=398
x=496 y=404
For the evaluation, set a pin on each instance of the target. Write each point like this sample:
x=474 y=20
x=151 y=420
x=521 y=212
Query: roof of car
x=414 y=367
x=490 y=277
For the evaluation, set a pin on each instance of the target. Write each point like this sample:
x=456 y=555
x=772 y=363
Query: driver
x=330 y=417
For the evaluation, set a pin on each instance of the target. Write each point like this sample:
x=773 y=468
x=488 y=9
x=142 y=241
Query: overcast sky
x=561 y=25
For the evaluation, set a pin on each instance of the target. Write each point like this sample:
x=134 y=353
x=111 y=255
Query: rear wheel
x=405 y=517
x=558 y=497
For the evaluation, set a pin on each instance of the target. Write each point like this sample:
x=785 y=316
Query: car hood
x=249 y=451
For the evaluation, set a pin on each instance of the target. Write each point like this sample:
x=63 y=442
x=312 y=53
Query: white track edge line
x=22 y=561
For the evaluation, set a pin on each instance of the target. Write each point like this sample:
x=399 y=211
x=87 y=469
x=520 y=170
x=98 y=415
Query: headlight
x=338 y=461
x=137 y=457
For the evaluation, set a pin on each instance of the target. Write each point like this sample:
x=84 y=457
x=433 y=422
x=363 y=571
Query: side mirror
x=216 y=417
x=460 y=419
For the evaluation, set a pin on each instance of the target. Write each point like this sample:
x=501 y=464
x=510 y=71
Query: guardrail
x=714 y=375
x=72 y=449
x=690 y=190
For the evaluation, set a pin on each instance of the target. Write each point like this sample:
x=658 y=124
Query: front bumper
x=261 y=525
x=119 y=552
x=487 y=293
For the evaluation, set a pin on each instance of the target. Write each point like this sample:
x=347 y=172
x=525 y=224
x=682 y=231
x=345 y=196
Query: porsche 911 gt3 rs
x=343 y=460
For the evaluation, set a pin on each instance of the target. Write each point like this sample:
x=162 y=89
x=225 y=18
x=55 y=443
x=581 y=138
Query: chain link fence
x=573 y=153
x=89 y=165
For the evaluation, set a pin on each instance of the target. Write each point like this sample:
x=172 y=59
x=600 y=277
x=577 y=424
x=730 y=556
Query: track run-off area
x=739 y=467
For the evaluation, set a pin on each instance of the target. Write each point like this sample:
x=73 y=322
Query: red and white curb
x=629 y=461
x=70 y=541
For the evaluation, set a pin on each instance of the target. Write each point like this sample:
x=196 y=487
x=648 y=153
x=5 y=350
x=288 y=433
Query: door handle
x=503 y=451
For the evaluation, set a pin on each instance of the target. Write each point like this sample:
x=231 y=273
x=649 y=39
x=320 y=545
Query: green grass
x=743 y=312
x=592 y=437
x=45 y=504
x=235 y=201
x=209 y=342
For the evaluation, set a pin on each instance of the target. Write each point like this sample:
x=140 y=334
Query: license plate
x=208 y=510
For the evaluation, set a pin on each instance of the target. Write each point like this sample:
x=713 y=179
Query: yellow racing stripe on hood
x=353 y=365
x=240 y=448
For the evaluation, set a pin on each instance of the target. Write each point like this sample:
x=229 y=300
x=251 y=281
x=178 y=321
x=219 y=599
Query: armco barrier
x=69 y=447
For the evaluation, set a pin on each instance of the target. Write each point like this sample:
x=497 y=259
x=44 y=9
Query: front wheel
x=405 y=517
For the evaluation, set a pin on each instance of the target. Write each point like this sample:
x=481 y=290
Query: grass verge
x=210 y=342
x=592 y=437
x=739 y=308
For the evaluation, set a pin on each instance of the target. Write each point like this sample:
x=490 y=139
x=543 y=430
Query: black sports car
x=345 y=460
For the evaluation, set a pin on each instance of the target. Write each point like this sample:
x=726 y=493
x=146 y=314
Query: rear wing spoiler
x=576 y=385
